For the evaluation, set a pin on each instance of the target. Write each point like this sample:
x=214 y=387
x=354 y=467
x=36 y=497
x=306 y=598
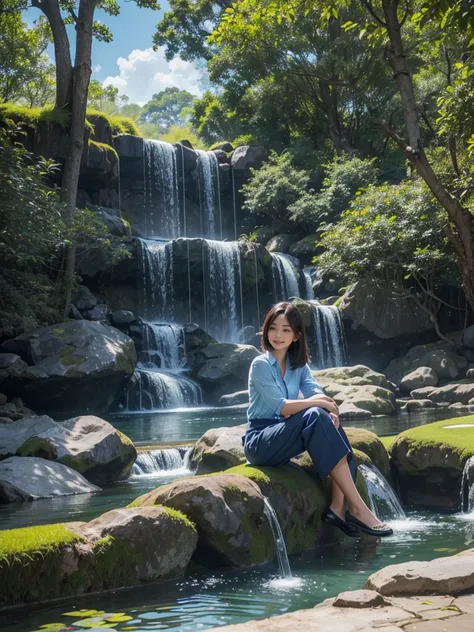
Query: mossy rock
x=370 y=444
x=429 y=460
x=228 y=512
x=388 y=441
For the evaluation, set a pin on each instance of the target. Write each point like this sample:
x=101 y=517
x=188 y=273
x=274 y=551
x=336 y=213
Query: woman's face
x=280 y=333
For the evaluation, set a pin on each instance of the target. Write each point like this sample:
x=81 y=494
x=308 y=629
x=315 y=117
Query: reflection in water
x=200 y=603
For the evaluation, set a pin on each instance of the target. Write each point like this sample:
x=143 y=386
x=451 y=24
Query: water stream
x=467 y=487
x=329 y=344
x=383 y=500
x=161 y=195
x=285 y=277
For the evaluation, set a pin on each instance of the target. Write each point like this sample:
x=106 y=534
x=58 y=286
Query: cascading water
x=285 y=277
x=163 y=346
x=382 y=499
x=282 y=555
x=171 y=461
x=156 y=279
x=209 y=194
x=329 y=342
x=161 y=194
x=222 y=279
x=309 y=293
x=467 y=487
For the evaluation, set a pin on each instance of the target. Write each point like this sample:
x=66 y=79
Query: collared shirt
x=268 y=390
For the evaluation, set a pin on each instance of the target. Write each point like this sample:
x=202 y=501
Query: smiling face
x=280 y=333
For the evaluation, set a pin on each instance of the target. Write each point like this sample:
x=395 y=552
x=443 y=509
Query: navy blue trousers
x=271 y=442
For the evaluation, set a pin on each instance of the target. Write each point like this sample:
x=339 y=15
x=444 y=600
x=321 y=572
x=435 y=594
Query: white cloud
x=146 y=72
x=96 y=69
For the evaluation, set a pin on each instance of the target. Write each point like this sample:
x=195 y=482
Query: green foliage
x=118 y=124
x=274 y=187
x=32 y=117
x=168 y=108
x=393 y=233
x=345 y=176
x=177 y=133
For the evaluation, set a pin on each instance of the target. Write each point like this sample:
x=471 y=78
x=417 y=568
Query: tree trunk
x=330 y=108
x=62 y=53
x=80 y=84
x=462 y=222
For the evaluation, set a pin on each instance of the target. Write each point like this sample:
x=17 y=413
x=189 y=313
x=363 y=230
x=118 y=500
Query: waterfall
x=156 y=279
x=467 y=487
x=222 y=271
x=282 y=555
x=161 y=194
x=153 y=390
x=329 y=342
x=209 y=193
x=163 y=346
x=309 y=293
x=171 y=461
x=382 y=499
x=285 y=277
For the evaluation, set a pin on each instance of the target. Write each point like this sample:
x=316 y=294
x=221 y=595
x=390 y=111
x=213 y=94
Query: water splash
x=329 y=341
x=467 y=487
x=152 y=390
x=285 y=277
x=382 y=499
x=280 y=547
x=165 y=462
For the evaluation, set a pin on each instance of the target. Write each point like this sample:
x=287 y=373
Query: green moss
x=388 y=441
x=361 y=458
x=32 y=117
x=38 y=447
x=22 y=543
x=370 y=444
x=458 y=441
x=58 y=331
x=178 y=516
x=103 y=147
x=118 y=124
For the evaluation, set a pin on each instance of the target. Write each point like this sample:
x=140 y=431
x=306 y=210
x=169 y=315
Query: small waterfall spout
x=166 y=462
x=285 y=277
x=156 y=278
x=329 y=343
x=382 y=499
x=282 y=555
x=467 y=487
x=308 y=282
x=163 y=346
x=161 y=195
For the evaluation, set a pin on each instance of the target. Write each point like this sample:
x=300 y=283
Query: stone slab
x=418 y=605
x=465 y=603
x=462 y=623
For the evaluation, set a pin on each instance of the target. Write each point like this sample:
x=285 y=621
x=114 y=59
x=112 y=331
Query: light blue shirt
x=268 y=390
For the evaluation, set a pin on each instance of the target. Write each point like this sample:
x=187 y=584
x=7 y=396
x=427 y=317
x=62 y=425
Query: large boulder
x=124 y=547
x=163 y=555
x=228 y=513
x=422 y=376
x=280 y=243
x=441 y=357
x=13 y=436
x=88 y=444
x=360 y=387
x=248 y=156
x=369 y=306
x=442 y=576
x=222 y=368
x=11 y=366
x=368 y=443
x=454 y=393
x=31 y=479
x=428 y=462
x=218 y=449
x=305 y=248
x=76 y=365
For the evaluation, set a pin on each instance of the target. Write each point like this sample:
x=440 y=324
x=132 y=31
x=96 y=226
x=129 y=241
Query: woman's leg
x=338 y=500
x=342 y=476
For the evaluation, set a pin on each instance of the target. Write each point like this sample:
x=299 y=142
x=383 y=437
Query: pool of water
x=201 y=602
x=161 y=428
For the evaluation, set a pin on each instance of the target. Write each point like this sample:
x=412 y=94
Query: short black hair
x=298 y=351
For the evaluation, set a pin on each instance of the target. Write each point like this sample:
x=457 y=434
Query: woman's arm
x=293 y=406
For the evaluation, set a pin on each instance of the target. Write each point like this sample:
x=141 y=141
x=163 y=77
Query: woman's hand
x=323 y=401
x=335 y=420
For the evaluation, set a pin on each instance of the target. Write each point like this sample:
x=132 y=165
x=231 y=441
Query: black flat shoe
x=379 y=531
x=329 y=517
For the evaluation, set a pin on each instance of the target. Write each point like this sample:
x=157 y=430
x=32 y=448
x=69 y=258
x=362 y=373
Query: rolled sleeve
x=263 y=381
x=308 y=385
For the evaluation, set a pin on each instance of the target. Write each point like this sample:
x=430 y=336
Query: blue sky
x=129 y=61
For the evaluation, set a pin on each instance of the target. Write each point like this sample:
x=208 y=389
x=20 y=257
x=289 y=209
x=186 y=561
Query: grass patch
x=118 y=124
x=459 y=441
x=19 y=543
x=388 y=441
x=103 y=147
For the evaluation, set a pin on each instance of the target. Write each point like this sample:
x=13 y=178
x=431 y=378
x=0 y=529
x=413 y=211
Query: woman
x=281 y=426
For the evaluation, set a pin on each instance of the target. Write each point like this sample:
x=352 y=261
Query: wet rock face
x=76 y=365
x=228 y=513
